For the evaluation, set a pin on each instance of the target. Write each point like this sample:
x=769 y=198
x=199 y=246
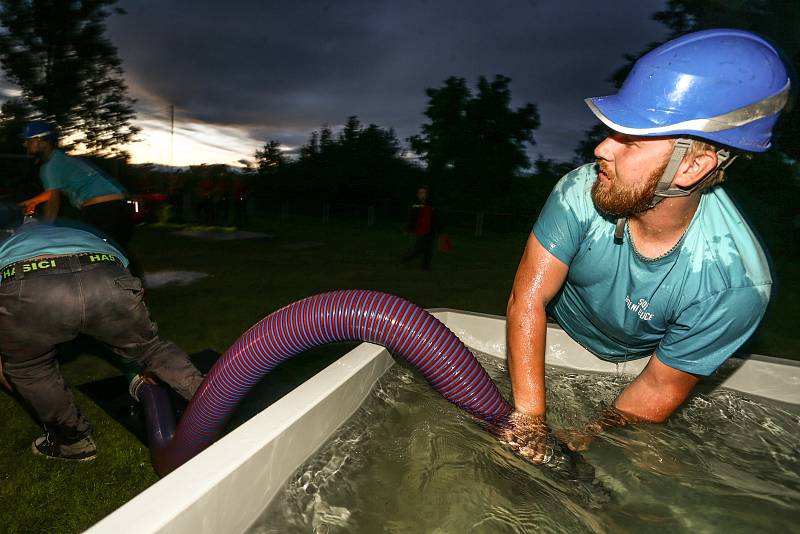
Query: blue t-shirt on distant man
x=36 y=239
x=78 y=179
x=694 y=307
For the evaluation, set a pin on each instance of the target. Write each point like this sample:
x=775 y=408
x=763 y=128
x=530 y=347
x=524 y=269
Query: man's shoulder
x=583 y=175
x=64 y=160
x=58 y=160
x=730 y=243
x=47 y=166
x=575 y=187
x=569 y=215
x=57 y=157
x=721 y=219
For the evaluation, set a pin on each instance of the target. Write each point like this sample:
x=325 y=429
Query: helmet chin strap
x=664 y=189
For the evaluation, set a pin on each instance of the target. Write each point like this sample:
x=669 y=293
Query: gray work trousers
x=103 y=300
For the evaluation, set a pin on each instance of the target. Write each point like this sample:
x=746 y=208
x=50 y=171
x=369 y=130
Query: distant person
x=222 y=200
x=204 y=192
x=240 y=192
x=643 y=254
x=175 y=193
x=102 y=201
x=59 y=282
x=423 y=224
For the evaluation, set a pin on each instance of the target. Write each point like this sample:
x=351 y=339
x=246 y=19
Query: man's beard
x=613 y=199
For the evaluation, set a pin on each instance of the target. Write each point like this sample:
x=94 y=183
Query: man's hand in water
x=529 y=437
x=579 y=439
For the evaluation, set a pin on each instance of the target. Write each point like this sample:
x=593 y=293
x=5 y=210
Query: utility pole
x=171 y=134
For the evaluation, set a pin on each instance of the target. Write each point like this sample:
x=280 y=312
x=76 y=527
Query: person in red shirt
x=422 y=222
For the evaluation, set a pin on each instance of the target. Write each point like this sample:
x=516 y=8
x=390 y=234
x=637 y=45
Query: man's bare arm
x=539 y=277
x=29 y=206
x=656 y=393
x=53 y=205
x=651 y=398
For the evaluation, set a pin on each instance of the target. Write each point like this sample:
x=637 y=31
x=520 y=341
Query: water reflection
x=409 y=461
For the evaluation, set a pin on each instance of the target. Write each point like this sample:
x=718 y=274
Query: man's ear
x=695 y=168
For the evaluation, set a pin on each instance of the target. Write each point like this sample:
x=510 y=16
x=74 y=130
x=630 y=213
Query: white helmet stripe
x=726 y=121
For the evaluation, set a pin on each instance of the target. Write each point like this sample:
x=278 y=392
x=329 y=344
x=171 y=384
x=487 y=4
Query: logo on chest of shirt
x=639 y=308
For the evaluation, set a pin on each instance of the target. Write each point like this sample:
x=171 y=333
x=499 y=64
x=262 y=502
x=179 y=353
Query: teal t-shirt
x=39 y=239
x=78 y=179
x=694 y=307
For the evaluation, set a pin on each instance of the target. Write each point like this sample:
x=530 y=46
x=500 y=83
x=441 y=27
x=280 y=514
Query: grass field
x=248 y=280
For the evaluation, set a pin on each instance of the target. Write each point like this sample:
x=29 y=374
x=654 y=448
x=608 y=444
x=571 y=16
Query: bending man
x=642 y=254
x=59 y=282
x=101 y=200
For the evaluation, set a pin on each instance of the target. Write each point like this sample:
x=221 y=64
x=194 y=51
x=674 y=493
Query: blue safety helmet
x=725 y=86
x=39 y=129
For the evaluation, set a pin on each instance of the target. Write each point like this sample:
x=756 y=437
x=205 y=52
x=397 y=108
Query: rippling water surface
x=409 y=461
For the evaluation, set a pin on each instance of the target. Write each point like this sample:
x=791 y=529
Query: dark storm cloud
x=281 y=69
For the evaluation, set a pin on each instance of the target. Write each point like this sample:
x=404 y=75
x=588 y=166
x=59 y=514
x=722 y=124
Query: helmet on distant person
x=725 y=86
x=39 y=129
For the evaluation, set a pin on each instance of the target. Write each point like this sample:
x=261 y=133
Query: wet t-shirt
x=693 y=307
x=77 y=178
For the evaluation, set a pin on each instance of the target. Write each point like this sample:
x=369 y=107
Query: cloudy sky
x=242 y=72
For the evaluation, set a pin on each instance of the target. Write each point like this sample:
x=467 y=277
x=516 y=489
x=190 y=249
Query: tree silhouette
x=474 y=144
x=68 y=70
x=360 y=163
x=270 y=159
x=13 y=115
x=352 y=166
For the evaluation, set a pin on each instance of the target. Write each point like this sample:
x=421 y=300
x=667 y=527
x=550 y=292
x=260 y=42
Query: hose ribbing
x=405 y=329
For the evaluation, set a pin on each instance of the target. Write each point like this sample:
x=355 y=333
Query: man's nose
x=603 y=150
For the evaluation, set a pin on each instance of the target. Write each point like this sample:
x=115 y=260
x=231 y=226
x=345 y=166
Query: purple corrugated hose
x=404 y=328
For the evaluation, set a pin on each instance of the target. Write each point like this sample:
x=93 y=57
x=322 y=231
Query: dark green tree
x=475 y=143
x=312 y=149
x=350 y=132
x=362 y=164
x=325 y=137
x=13 y=115
x=57 y=53
x=270 y=159
x=549 y=170
x=20 y=179
x=442 y=140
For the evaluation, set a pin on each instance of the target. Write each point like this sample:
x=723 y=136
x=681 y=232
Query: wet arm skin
x=53 y=205
x=651 y=398
x=656 y=393
x=539 y=277
x=29 y=206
